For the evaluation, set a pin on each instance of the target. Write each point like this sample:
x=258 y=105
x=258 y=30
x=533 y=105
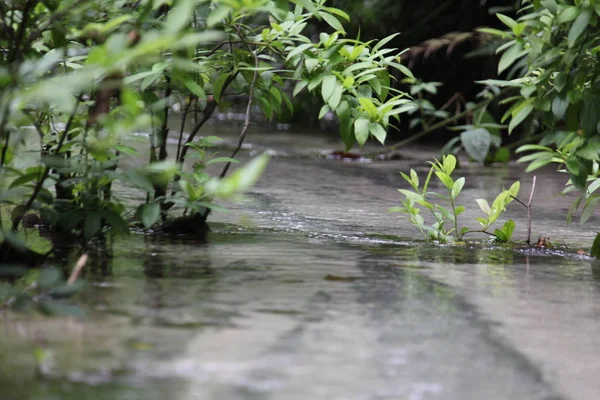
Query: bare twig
x=77 y=270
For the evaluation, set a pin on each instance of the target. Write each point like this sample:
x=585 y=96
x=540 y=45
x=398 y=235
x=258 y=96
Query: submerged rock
x=194 y=225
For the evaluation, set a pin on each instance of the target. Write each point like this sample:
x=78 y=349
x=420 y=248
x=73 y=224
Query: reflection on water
x=308 y=289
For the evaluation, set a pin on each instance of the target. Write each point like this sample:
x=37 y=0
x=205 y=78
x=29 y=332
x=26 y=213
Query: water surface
x=309 y=289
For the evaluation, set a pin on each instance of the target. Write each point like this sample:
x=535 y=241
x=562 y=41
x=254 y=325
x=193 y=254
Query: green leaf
x=369 y=107
x=217 y=15
x=92 y=224
x=477 y=143
x=579 y=26
x=361 y=130
x=377 y=130
x=116 y=222
x=529 y=147
x=23 y=179
x=240 y=181
x=596 y=247
x=559 y=106
x=457 y=187
x=327 y=86
x=500 y=236
x=48 y=278
x=415 y=197
x=506 y=20
x=520 y=116
x=445 y=178
x=196 y=89
x=588 y=209
x=218 y=86
x=179 y=16
x=222 y=159
x=593 y=186
x=332 y=21
x=336 y=96
x=149 y=213
x=298 y=50
x=384 y=41
x=508 y=228
x=338 y=12
x=324 y=110
x=510 y=56
x=449 y=163
x=568 y=14
x=306 y=4
x=404 y=70
x=514 y=189
x=485 y=207
x=61 y=310
x=414 y=178
x=299 y=87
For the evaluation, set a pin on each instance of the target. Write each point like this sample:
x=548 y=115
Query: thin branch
x=518 y=201
x=162 y=153
x=182 y=127
x=207 y=113
x=246 y=120
x=480 y=231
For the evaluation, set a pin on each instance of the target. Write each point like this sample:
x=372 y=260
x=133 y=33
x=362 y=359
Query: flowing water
x=309 y=289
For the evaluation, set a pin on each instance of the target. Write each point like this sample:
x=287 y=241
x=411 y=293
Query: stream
x=309 y=289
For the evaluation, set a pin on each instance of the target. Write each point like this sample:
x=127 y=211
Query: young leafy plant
x=445 y=226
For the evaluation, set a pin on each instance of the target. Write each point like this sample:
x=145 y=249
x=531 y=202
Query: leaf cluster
x=554 y=45
x=445 y=226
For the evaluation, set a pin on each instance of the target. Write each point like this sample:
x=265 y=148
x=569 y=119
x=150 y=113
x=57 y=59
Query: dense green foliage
x=554 y=43
x=85 y=76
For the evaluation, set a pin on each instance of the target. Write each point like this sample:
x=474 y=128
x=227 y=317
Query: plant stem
x=160 y=190
x=456 y=232
x=46 y=170
x=182 y=127
x=246 y=119
x=208 y=112
x=246 y=123
x=528 y=207
x=529 y=210
x=480 y=231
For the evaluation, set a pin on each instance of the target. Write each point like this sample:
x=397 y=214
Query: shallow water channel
x=309 y=289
